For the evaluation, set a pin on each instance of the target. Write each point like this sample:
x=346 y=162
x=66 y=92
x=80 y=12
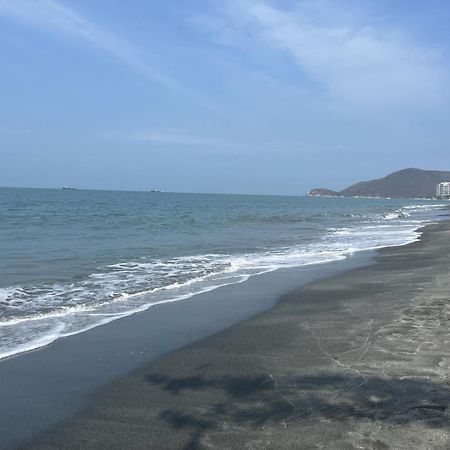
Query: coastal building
x=443 y=190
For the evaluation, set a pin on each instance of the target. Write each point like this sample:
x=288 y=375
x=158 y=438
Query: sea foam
x=35 y=315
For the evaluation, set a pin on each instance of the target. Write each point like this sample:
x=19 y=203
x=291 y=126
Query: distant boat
x=67 y=188
x=155 y=190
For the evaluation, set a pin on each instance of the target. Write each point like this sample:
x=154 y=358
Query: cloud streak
x=50 y=15
x=175 y=138
x=348 y=59
x=180 y=138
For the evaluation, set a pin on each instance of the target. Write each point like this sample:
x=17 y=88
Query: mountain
x=402 y=184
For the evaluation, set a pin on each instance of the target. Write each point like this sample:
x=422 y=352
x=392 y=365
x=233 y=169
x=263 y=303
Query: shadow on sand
x=262 y=400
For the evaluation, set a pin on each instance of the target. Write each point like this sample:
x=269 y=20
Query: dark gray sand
x=41 y=389
x=357 y=361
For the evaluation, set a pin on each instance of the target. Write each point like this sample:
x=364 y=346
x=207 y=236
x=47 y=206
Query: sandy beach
x=359 y=360
x=224 y=225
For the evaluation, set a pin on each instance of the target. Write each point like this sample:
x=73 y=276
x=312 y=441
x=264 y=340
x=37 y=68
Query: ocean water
x=71 y=260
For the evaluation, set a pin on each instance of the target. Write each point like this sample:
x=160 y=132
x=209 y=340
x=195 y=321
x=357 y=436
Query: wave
x=36 y=315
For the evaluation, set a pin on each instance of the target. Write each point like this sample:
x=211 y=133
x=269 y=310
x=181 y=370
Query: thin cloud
x=178 y=138
x=50 y=15
x=170 y=137
x=350 y=60
x=175 y=138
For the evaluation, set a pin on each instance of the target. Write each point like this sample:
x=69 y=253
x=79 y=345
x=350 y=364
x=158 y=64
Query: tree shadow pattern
x=261 y=400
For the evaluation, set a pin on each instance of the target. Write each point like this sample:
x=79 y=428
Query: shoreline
x=335 y=260
x=359 y=359
x=62 y=300
x=61 y=377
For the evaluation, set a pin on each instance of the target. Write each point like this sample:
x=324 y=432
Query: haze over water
x=72 y=260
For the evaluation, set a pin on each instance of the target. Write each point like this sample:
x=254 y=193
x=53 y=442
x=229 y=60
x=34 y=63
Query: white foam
x=36 y=316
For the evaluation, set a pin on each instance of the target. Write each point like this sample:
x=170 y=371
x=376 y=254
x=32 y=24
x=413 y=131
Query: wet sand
x=46 y=387
x=359 y=360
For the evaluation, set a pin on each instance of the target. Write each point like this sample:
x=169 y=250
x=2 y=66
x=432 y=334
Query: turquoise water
x=71 y=260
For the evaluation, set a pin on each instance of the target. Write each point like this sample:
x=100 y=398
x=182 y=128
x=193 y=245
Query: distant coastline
x=406 y=183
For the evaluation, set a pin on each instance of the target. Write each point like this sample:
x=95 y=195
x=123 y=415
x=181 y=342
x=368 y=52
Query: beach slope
x=359 y=360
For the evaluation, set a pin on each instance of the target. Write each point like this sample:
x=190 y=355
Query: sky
x=237 y=96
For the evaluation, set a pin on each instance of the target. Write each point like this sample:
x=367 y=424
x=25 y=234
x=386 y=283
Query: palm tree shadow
x=261 y=400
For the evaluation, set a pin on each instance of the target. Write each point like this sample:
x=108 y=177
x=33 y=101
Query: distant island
x=406 y=183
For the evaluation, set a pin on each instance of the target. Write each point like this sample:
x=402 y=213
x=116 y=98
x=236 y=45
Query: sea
x=72 y=260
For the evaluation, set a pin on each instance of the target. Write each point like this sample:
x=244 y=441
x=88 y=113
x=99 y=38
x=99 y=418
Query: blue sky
x=248 y=96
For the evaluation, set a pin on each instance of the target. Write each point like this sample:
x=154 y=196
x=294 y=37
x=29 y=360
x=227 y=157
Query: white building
x=443 y=189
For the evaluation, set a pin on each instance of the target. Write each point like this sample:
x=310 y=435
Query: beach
x=357 y=360
x=224 y=225
x=44 y=388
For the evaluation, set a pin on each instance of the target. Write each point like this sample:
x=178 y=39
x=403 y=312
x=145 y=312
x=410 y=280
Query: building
x=443 y=190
